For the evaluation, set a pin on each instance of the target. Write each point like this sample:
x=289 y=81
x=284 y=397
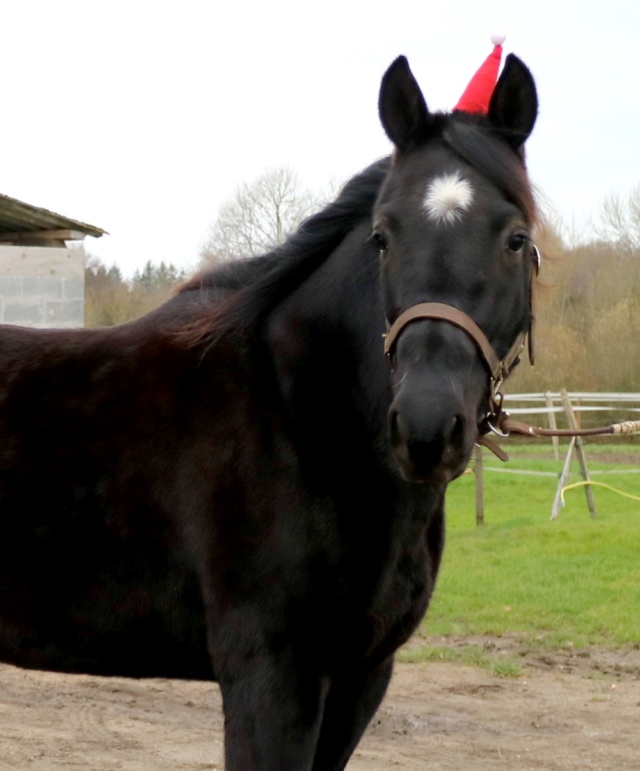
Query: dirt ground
x=569 y=710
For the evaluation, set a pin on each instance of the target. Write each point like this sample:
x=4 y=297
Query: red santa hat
x=477 y=95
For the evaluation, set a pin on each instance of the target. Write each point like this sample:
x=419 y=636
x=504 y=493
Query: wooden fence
x=562 y=409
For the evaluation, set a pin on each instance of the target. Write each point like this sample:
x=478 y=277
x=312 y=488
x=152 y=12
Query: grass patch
x=469 y=655
x=575 y=581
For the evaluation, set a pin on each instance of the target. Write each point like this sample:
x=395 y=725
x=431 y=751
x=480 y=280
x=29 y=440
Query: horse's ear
x=514 y=104
x=403 y=111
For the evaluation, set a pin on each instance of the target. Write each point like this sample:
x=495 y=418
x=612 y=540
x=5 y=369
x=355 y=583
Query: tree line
x=111 y=299
x=587 y=298
x=588 y=306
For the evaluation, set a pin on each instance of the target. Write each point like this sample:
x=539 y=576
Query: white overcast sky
x=142 y=117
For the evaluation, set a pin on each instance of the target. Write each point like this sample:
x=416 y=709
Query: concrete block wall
x=42 y=286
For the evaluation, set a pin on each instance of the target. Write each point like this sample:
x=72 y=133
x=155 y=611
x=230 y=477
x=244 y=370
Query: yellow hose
x=596 y=484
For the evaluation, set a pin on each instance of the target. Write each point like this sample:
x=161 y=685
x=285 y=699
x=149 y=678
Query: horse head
x=453 y=225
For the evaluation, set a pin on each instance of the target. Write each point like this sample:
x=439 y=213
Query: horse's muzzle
x=430 y=442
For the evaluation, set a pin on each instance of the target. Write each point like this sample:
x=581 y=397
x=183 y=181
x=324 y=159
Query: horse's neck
x=334 y=389
x=326 y=339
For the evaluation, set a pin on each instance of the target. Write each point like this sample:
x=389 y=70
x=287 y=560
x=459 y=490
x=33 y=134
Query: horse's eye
x=516 y=243
x=379 y=240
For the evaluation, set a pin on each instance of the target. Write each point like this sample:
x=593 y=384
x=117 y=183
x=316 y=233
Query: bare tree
x=620 y=221
x=258 y=216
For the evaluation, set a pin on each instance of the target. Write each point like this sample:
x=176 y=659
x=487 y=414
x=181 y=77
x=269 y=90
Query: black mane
x=258 y=284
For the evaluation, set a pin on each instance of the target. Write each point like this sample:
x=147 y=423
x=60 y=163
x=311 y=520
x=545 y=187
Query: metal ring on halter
x=497 y=413
x=537 y=259
x=495 y=430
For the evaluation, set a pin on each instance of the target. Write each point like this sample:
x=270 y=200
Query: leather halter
x=496 y=420
x=498 y=368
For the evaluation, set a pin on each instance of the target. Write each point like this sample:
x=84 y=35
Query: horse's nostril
x=399 y=431
x=393 y=427
x=456 y=438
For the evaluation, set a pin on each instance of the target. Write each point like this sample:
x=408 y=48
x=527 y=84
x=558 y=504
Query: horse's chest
x=399 y=592
x=404 y=588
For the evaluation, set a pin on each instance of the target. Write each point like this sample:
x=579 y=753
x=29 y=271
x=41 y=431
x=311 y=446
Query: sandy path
x=566 y=712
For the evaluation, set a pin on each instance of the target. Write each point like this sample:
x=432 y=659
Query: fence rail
x=584 y=403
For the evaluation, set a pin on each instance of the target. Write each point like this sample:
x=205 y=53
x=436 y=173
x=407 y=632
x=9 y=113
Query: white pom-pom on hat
x=498 y=39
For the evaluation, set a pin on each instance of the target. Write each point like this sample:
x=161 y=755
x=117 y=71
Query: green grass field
x=574 y=581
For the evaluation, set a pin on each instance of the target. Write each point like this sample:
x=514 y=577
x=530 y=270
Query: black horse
x=240 y=485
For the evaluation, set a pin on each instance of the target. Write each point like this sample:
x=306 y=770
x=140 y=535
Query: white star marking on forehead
x=447 y=198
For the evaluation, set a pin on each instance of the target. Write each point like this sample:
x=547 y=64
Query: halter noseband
x=498 y=368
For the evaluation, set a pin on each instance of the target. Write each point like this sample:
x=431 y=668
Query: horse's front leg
x=351 y=702
x=273 y=711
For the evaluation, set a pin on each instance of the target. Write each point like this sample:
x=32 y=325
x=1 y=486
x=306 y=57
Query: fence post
x=479 y=487
x=562 y=480
x=555 y=441
x=573 y=423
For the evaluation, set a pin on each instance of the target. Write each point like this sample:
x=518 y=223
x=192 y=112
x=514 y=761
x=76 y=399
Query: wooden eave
x=22 y=222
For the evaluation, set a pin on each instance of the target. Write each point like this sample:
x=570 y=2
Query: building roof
x=21 y=222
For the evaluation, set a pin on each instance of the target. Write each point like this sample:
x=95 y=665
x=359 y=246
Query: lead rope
x=626 y=427
x=500 y=423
